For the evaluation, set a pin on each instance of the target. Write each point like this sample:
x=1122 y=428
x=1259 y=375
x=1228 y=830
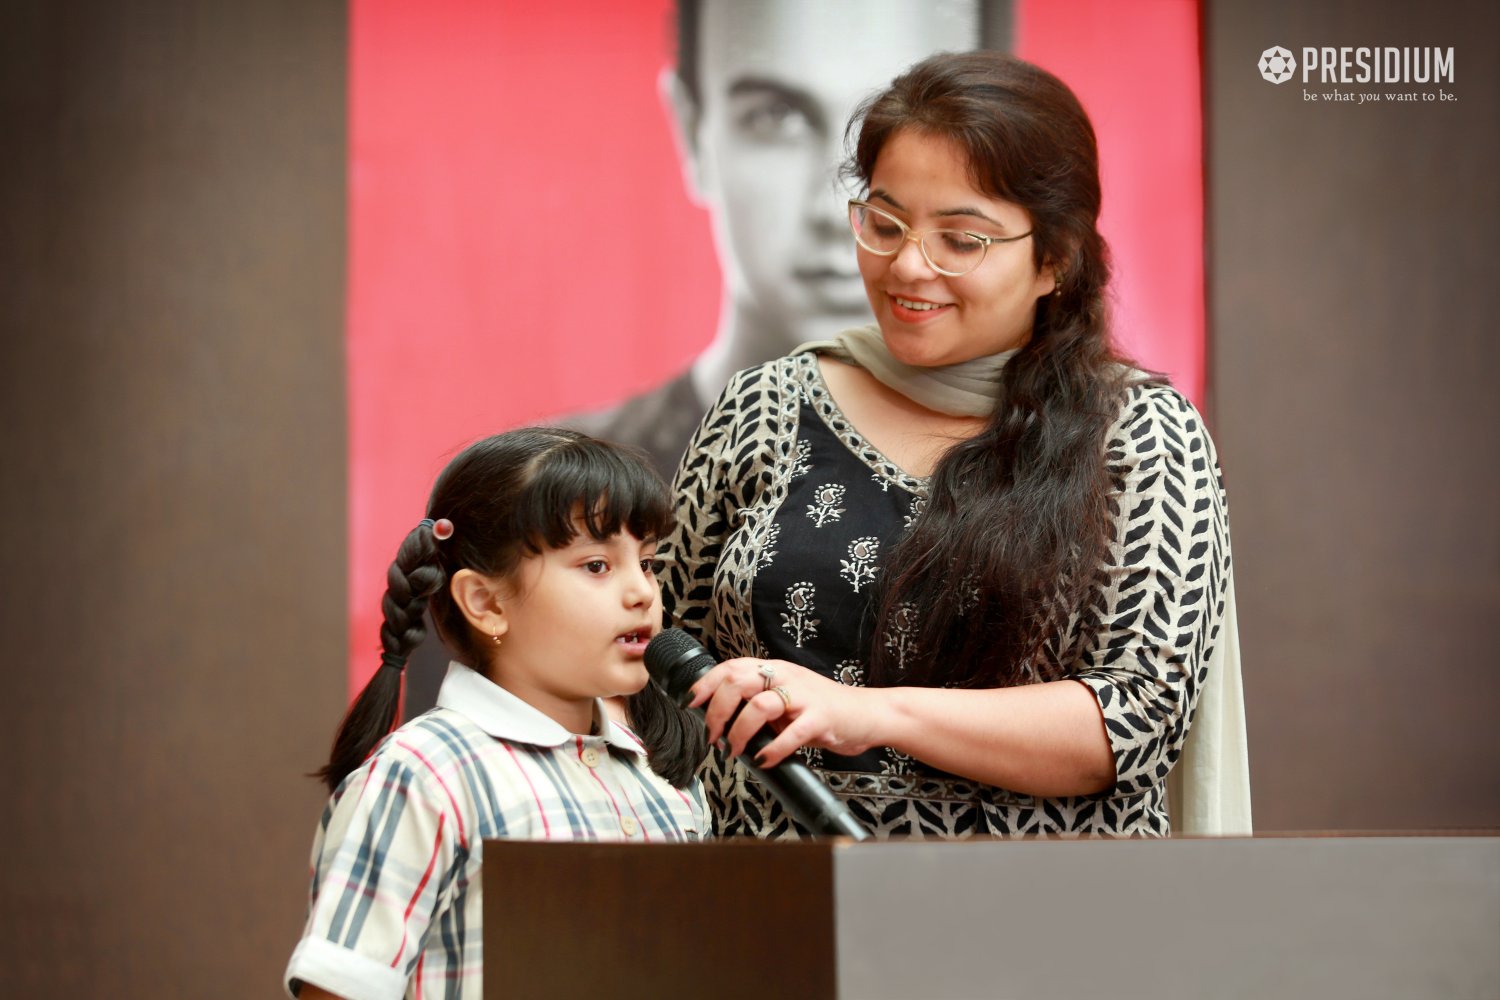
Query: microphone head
x=675 y=660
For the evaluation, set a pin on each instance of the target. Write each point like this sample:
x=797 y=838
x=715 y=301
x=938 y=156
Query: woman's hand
x=803 y=707
x=1036 y=739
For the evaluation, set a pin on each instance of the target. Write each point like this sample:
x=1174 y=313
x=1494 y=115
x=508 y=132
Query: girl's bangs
x=591 y=486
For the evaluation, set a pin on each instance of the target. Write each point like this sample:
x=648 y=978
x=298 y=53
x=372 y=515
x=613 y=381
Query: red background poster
x=521 y=244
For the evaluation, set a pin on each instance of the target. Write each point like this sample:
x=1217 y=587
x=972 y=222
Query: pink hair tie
x=442 y=528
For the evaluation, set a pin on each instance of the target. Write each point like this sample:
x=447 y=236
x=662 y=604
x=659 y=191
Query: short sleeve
x=380 y=868
x=1164 y=600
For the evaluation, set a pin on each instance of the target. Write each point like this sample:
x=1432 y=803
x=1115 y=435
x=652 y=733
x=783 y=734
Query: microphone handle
x=800 y=792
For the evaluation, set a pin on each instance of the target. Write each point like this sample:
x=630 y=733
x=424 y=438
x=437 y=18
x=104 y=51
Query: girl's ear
x=479 y=598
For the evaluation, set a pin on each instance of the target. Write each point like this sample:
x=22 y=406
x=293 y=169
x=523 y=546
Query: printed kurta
x=785 y=513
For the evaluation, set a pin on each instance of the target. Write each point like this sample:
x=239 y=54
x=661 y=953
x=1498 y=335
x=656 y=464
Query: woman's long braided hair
x=1017 y=525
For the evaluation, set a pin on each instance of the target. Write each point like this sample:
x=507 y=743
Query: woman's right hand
x=802 y=706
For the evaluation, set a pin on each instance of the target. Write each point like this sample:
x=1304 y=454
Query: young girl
x=538 y=560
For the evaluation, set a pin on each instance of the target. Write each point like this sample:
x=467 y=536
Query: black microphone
x=675 y=661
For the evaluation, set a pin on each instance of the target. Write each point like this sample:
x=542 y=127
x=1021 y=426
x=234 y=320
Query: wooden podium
x=1317 y=916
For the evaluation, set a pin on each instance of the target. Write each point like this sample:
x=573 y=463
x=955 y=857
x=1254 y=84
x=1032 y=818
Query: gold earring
x=496 y=637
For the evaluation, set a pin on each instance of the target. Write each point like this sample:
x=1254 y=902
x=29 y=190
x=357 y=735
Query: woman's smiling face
x=927 y=318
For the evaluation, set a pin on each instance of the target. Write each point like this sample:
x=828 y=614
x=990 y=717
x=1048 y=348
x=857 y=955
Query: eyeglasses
x=952 y=252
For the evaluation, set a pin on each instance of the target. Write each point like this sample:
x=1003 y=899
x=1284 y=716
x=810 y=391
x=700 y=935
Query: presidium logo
x=1277 y=64
x=1388 y=64
x=1389 y=74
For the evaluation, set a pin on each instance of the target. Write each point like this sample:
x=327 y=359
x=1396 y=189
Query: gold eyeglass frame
x=920 y=235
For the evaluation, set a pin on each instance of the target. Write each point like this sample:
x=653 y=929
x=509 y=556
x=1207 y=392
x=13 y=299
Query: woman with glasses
x=970 y=563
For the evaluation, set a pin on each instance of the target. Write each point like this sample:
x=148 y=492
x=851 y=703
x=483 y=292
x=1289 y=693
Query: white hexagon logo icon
x=1276 y=64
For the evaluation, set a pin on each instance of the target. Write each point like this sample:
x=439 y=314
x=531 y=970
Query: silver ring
x=767 y=674
x=785 y=695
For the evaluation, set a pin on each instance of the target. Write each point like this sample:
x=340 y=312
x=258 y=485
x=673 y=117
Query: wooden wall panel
x=173 y=423
x=1352 y=330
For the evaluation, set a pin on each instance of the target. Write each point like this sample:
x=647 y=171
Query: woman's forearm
x=1036 y=739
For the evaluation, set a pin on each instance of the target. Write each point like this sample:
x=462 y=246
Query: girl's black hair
x=510 y=496
x=1017 y=527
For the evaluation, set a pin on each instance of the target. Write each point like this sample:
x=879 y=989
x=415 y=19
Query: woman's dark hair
x=1017 y=526
x=509 y=496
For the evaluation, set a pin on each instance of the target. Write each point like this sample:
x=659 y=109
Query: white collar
x=501 y=714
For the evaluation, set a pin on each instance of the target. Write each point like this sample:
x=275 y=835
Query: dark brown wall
x=171 y=273
x=1353 y=312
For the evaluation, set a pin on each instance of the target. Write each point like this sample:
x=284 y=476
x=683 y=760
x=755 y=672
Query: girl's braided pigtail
x=413 y=578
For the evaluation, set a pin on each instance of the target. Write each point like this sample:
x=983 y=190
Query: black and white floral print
x=767 y=543
x=797 y=619
x=917 y=503
x=850 y=672
x=801 y=466
x=900 y=633
x=827 y=504
x=859 y=567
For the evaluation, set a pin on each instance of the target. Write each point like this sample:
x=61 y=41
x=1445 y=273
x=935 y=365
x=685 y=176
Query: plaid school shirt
x=395 y=905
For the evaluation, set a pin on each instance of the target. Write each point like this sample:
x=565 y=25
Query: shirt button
x=590 y=756
x=629 y=825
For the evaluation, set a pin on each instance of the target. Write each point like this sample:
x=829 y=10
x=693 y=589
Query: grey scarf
x=967 y=389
